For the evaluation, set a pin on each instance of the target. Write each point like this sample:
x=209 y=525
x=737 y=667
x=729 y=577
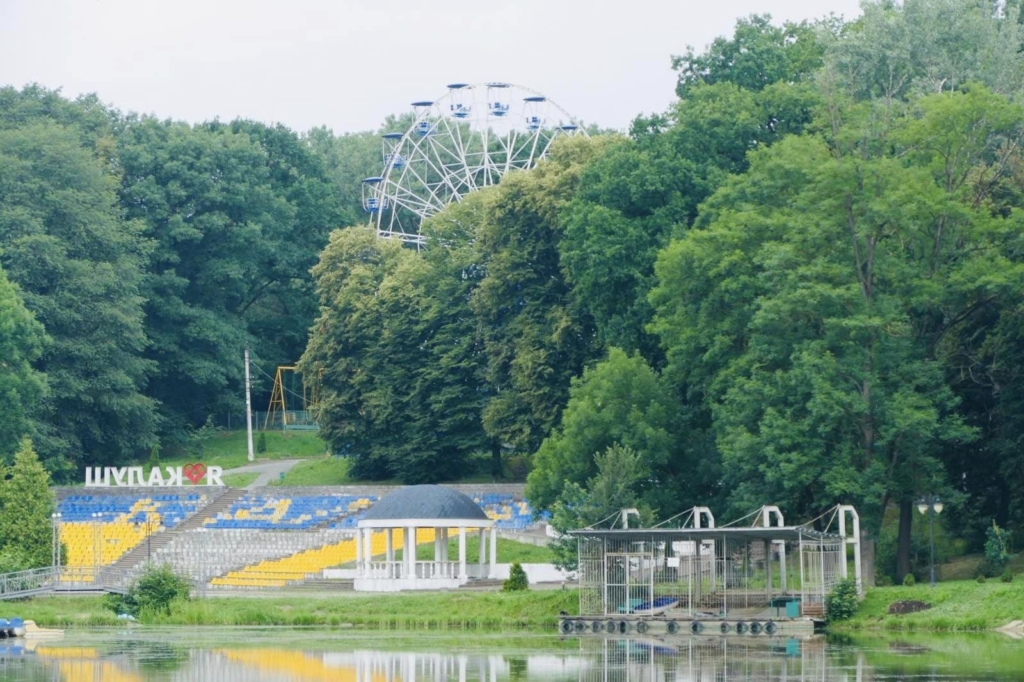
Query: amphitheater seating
x=298 y=512
x=507 y=512
x=125 y=521
x=311 y=562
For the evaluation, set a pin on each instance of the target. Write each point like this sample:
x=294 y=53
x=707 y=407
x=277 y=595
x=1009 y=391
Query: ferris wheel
x=463 y=141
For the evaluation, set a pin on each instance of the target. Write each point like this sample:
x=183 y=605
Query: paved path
x=268 y=471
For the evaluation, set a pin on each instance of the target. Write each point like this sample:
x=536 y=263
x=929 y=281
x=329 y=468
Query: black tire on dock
x=696 y=627
x=611 y=627
x=724 y=628
x=623 y=626
x=596 y=626
x=641 y=627
x=567 y=626
x=672 y=627
x=770 y=628
x=741 y=627
x=755 y=628
x=580 y=626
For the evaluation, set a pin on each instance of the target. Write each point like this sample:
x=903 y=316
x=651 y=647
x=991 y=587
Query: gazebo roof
x=424 y=503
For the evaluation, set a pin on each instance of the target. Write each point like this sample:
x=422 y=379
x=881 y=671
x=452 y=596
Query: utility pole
x=248 y=406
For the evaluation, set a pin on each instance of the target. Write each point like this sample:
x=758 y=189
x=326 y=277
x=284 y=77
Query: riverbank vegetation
x=962 y=605
x=532 y=610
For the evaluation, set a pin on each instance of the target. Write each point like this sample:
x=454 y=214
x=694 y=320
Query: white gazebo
x=420 y=507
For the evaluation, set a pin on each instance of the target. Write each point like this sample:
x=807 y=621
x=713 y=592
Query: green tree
x=78 y=265
x=26 y=504
x=617 y=484
x=620 y=401
x=842 y=270
x=237 y=214
x=757 y=55
x=536 y=334
x=21 y=343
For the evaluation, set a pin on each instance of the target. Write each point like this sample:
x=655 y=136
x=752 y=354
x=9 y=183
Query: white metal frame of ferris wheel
x=467 y=139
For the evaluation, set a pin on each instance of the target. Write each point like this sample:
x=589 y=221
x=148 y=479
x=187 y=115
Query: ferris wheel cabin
x=534 y=121
x=423 y=125
x=371 y=202
x=495 y=107
x=460 y=106
x=392 y=157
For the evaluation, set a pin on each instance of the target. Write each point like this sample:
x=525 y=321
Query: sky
x=347 y=64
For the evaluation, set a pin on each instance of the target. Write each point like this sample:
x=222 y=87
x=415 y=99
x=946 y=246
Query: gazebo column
x=389 y=552
x=444 y=543
x=482 y=560
x=438 y=552
x=462 y=553
x=359 y=552
x=492 y=573
x=367 y=549
x=409 y=552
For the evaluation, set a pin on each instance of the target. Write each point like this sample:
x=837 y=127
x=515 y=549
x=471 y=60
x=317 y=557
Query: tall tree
x=22 y=340
x=26 y=503
x=78 y=264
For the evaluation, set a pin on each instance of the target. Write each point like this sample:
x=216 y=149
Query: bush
x=909 y=580
x=841 y=602
x=1007 y=576
x=154 y=591
x=981 y=579
x=261 y=442
x=996 y=554
x=517 y=580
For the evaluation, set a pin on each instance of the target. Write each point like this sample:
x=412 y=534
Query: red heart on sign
x=194 y=472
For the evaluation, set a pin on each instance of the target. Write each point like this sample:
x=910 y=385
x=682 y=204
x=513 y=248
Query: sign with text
x=105 y=477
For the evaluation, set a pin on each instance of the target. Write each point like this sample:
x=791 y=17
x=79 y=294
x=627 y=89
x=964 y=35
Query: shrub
x=981 y=579
x=517 y=580
x=909 y=580
x=1007 y=576
x=154 y=591
x=996 y=554
x=261 y=442
x=841 y=602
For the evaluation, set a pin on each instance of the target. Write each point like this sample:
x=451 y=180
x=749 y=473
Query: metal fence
x=62 y=579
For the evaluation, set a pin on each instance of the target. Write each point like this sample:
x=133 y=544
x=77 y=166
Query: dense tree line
x=141 y=256
x=800 y=285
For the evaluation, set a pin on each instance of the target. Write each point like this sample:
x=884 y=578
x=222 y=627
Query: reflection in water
x=133 y=658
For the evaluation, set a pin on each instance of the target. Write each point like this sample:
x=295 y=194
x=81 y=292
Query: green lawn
x=239 y=480
x=436 y=610
x=229 y=449
x=320 y=471
x=956 y=605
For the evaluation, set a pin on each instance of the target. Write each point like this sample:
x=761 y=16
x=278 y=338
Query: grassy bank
x=319 y=471
x=960 y=605
x=229 y=449
x=431 y=611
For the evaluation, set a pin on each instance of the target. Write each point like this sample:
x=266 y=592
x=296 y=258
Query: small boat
x=33 y=631
x=656 y=607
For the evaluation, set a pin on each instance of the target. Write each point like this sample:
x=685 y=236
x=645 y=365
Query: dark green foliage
x=261 y=443
x=981 y=579
x=909 y=580
x=154 y=592
x=78 y=264
x=21 y=343
x=517 y=580
x=841 y=601
x=26 y=502
x=1007 y=576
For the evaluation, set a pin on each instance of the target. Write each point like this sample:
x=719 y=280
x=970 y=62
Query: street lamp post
x=97 y=548
x=932 y=506
x=55 y=530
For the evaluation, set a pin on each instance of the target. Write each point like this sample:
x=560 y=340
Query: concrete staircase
x=323 y=585
x=142 y=551
x=482 y=584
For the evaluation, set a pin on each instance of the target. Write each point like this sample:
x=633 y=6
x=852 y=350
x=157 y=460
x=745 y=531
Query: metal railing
x=62 y=579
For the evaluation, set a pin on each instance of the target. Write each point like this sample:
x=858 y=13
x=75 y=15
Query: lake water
x=273 y=655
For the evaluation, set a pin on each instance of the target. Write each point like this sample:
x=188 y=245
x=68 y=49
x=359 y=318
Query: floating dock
x=665 y=625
